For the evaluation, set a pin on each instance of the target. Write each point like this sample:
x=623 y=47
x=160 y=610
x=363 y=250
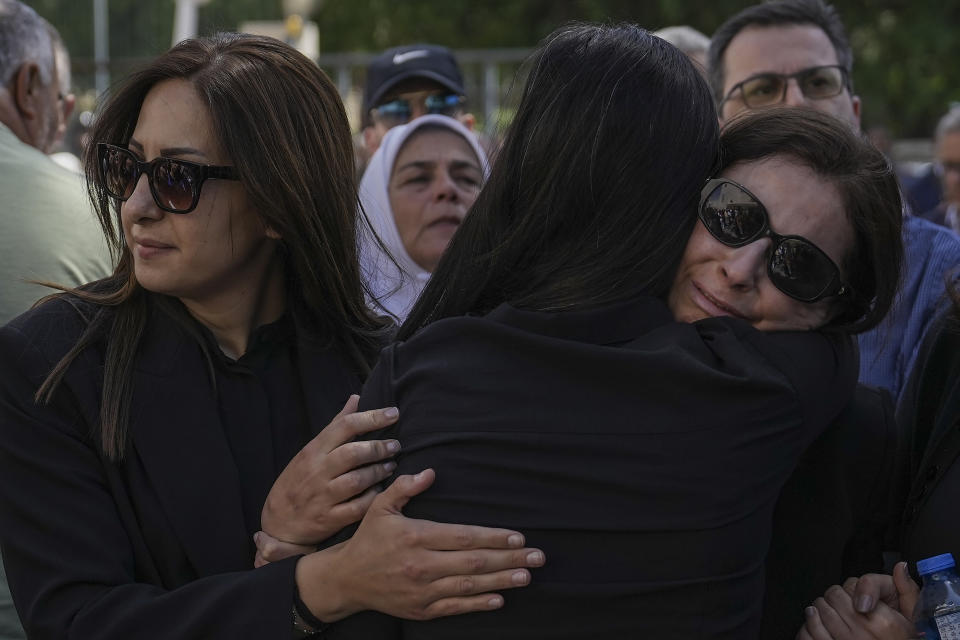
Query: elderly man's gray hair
x=24 y=37
x=949 y=123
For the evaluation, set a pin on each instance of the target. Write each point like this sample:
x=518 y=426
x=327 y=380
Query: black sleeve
x=69 y=559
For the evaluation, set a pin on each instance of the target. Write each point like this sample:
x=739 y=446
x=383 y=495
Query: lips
x=446 y=220
x=713 y=305
x=152 y=244
x=146 y=248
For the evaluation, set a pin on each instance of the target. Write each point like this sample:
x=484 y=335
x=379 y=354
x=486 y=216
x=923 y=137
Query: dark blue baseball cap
x=411 y=61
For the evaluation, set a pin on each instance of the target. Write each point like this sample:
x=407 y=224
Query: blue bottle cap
x=936 y=563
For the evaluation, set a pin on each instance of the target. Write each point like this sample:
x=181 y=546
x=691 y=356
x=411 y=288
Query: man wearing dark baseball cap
x=407 y=82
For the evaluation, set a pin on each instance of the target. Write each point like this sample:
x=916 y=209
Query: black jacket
x=155 y=546
x=643 y=455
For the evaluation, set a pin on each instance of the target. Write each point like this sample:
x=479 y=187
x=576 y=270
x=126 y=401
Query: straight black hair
x=592 y=197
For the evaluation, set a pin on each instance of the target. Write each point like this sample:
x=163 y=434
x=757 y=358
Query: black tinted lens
x=174 y=183
x=118 y=169
x=800 y=269
x=732 y=215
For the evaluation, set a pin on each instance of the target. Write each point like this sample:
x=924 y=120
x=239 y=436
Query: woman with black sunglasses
x=145 y=417
x=543 y=376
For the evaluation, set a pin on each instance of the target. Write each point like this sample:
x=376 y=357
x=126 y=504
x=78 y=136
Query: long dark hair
x=281 y=122
x=866 y=182
x=591 y=198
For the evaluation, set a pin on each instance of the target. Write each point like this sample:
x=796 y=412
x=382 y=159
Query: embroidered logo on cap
x=400 y=58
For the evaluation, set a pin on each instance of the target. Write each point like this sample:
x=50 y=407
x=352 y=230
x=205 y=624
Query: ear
x=26 y=91
x=272 y=234
x=468 y=120
x=69 y=102
x=855 y=104
x=370 y=139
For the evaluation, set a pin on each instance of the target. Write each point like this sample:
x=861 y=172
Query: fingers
x=907 y=589
x=457 y=606
x=352 y=455
x=813 y=628
x=473 y=564
x=451 y=537
x=398 y=494
x=873 y=588
x=347 y=426
x=353 y=510
x=269 y=549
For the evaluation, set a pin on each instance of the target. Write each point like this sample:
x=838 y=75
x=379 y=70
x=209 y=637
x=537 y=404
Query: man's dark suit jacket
x=152 y=547
x=836 y=514
x=644 y=456
x=930 y=412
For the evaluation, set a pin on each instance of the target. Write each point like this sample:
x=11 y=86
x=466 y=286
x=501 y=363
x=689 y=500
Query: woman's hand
x=414 y=569
x=330 y=482
x=269 y=549
x=864 y=609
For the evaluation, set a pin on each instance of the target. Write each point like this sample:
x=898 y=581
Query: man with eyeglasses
x=828 y=522
x=947 y=169
x=407 y=82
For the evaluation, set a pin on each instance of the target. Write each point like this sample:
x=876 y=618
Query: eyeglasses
x=174 y=184
x=797 y=267
x=766 y=89
x=942 y=167
x=400 y=110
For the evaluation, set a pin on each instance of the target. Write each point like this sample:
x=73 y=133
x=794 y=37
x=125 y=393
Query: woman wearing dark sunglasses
x=543 y=376
x=787 y=229
x=144 y=418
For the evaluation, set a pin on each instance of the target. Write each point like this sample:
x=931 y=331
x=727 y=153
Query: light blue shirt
x=888 y=351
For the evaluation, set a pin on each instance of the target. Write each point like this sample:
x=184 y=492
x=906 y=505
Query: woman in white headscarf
x=416 y=190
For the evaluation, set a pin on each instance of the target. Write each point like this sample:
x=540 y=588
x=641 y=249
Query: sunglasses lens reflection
x=732 y=215
x=173 y=183
x=800 y=269
x=119 y=169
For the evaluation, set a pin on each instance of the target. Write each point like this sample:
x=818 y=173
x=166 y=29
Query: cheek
x=406 y=215
x=782 y=313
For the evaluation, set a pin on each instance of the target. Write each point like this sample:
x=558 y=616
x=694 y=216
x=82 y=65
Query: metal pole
x=491 y=94
x=101 y=46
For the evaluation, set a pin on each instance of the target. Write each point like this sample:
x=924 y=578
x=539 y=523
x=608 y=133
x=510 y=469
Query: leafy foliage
x=906 y=51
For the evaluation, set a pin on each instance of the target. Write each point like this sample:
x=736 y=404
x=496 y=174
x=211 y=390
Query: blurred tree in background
x=906 y=53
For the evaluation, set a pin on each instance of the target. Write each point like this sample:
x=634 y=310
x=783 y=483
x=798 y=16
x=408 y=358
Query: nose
x=743 y=267
x=140 y=206
x=793 y=94
x=445 y=188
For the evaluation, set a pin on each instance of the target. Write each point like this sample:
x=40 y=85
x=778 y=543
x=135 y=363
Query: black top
x=158 y=545
x=643 y=455
x=930 y=412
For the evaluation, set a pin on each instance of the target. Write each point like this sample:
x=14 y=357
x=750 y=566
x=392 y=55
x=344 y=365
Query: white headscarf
x=396 y=290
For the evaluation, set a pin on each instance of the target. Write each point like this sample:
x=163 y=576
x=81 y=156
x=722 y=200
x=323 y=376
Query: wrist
x=321 y=587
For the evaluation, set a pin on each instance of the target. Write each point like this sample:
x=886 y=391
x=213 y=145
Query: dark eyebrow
x=416 y=164
x=464 y=164
x=170 y=151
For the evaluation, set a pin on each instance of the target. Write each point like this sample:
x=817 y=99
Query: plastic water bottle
x=937 y=615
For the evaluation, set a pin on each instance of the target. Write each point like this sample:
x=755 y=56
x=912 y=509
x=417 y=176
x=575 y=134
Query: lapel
x=327 y=379
x=176 y=432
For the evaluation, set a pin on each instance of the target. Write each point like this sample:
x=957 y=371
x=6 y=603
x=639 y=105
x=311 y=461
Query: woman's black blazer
x=643 y=455
x=154 y=546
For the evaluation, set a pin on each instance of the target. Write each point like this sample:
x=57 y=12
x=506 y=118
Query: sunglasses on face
x=174 y=184
x=400 y=111
x=797 y=267
x=765 y=89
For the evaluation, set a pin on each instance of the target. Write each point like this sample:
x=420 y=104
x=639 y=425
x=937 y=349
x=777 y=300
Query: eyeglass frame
x=786 y=77
x=206 y=171
x=835 y=287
